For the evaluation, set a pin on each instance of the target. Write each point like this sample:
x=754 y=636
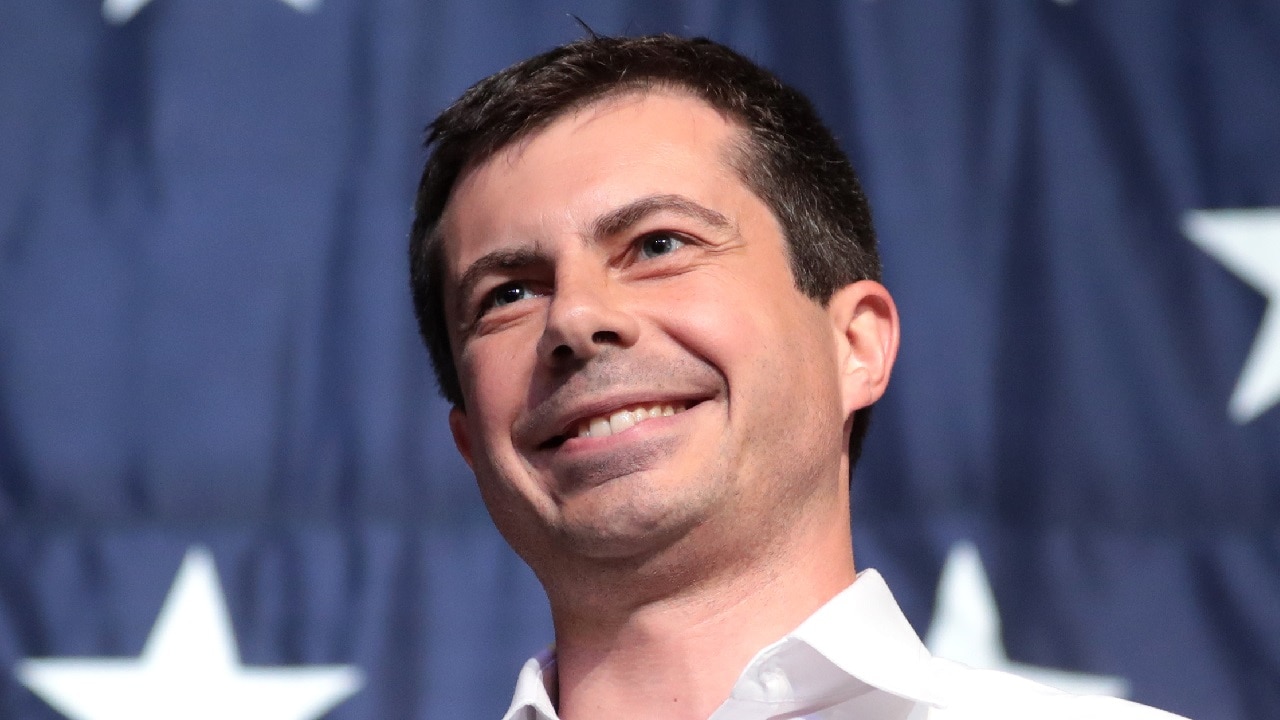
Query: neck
x=671 y=644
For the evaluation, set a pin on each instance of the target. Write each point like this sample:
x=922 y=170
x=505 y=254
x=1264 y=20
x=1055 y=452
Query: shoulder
x=970 y=694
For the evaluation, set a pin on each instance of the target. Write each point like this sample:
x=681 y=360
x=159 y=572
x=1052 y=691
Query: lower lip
x=587 y=462
x=591 y=461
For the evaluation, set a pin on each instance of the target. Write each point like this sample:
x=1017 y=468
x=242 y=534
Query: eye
x=659 y=243
x=507 y=293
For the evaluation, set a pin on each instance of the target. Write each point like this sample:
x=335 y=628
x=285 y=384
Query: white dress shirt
x=857 y=658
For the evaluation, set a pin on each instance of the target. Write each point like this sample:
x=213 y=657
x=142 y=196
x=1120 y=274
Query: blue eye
x=659 y=243
x=509 y=293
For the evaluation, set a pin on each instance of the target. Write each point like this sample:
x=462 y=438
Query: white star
x=119 y=12
x=966 y=628
x=189 y=669
x=1248 y=243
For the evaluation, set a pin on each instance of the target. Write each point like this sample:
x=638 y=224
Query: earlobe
x=865 y=322
x=461 y=436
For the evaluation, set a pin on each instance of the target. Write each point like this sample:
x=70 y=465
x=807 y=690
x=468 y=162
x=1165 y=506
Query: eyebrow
x=614 y=222
x=507 y=259
x=620 y=219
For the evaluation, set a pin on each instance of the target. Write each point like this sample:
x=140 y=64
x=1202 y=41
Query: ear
x=865 y=322
x=461 y=434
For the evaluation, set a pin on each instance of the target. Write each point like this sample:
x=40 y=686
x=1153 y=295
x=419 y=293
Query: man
x=649 y=284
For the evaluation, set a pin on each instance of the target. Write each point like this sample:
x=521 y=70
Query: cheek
x=719 y=328
x=738 y=321
x=773 y=346
x=495 y=378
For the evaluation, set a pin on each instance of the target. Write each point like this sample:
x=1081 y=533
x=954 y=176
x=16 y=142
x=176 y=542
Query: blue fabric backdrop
x=206 y=337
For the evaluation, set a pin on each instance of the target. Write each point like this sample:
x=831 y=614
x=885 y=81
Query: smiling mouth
x=618 y=421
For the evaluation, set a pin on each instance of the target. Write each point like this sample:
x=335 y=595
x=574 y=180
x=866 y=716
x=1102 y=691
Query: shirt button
x=774 y=683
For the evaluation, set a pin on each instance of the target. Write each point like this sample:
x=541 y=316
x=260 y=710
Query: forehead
x=601 y=156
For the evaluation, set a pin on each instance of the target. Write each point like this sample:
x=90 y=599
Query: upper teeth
x=603 y=425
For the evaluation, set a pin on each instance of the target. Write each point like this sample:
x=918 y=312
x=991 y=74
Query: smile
x=612 y=422
x=625 y=419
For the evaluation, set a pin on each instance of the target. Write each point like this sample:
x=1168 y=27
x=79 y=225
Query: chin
x=618 y=541
x=630 y=531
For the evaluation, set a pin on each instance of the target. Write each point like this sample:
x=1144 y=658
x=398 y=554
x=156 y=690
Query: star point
x=189 y=668
x=1247 y=242
x=119 y=12
x=966 y=628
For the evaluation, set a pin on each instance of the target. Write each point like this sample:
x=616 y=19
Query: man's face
x=638 y=367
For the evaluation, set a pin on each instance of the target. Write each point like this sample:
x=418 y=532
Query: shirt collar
x=857 y=641
x=863 y=632
x=532 y=700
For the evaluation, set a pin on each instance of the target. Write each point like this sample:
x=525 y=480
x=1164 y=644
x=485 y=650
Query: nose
x=584 y=317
